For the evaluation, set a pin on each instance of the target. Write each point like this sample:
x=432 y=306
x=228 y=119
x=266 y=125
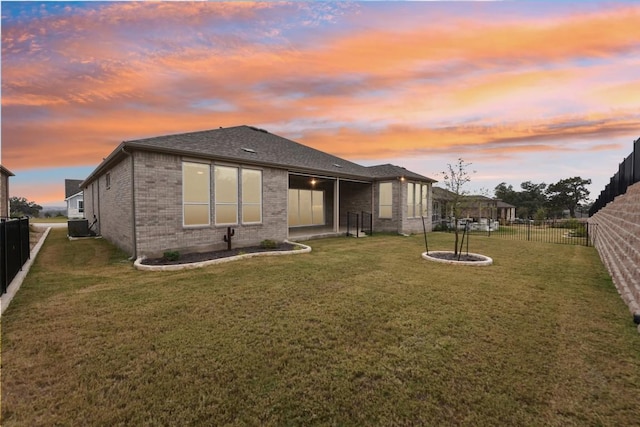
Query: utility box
x=78 y=227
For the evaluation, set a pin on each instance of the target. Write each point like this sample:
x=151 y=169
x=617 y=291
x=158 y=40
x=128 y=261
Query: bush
x=268 y=244
x=172 y=255
x=441 y=227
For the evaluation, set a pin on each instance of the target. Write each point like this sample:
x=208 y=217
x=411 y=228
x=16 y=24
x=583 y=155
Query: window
x=425 y=197
x=386 y=200
x=417 y=200
x=251 y=196
x=80 y=206
x=195 y=194
x=226 y=195
x=107 y=178
x=411 y=200
x=306 y=207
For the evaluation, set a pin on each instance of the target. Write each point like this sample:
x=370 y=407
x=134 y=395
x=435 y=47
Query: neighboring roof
x=251 y=145
x=392 y=171
x=5 y=171
x=502 y=204
x=442 y=194
x=71 y=187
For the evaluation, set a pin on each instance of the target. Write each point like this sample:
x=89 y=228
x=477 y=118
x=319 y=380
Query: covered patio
x=318 y=206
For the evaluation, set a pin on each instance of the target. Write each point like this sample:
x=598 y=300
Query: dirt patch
x=207 y=256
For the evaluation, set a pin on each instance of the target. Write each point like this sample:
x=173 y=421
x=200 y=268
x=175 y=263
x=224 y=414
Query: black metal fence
x=359 y=223
x=570 y=232
x=627 y=175
x=14 y=249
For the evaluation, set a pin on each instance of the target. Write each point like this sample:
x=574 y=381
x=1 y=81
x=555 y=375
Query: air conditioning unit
x=78 y=227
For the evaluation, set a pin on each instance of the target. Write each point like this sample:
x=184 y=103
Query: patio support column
x=336 y=204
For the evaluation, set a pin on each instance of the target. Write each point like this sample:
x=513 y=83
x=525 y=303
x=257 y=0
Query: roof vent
x=248 y=150
x=337 y=165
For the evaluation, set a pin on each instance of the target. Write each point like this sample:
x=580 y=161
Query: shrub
x=268 y=244
x=172 y=255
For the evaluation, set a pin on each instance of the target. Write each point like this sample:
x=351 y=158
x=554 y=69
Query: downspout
x=133 y=205
x=336 y=206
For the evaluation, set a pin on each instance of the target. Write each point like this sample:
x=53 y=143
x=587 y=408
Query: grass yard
x=358 y=332
x=53 y=219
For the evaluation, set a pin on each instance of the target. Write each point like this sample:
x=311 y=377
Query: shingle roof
x=502 y=204
x=71 y=187
x=251 y=145
x=6 y=171
x=392 y=171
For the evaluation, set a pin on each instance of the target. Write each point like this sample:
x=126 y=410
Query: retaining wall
x=618 y=243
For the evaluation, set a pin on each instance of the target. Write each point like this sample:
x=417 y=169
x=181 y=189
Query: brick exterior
x=158 y=204
x=399 y=222
x=149 y=183
x=113 y=205
x=354 y=197
x=617 y=239
x=4 y=195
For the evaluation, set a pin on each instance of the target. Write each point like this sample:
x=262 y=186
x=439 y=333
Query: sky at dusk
x=525 y=91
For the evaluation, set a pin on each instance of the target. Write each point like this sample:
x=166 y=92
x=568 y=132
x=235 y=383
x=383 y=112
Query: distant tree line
x=541 y=201
x=20 y=206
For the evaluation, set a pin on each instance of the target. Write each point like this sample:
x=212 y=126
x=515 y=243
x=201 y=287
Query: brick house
x=4 y=191
x=181 y=192
x=73 y=197
x=471 y=206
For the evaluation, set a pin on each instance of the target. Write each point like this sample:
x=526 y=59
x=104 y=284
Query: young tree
x=569 y=193
x=20 y=206
x=454 y=179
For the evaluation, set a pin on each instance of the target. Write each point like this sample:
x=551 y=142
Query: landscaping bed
x=208 y=256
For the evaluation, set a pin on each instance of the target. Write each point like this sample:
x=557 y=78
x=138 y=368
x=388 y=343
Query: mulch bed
x=452 y=257
x=207 y=256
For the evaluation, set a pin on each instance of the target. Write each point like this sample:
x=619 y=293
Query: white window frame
x=80 y=205
x=388 y=184
x=244 y=203
x=207 y=203
x=236 y=203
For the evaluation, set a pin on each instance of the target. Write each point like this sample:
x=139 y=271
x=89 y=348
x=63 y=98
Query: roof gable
x=71 y=187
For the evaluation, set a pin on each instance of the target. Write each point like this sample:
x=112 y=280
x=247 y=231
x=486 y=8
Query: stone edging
x=485 y=262
x=174 y=267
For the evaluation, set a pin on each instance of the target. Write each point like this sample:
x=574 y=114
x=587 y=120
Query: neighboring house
x=471 y=206
x=506 y=212
x=74 y=198
x=4 y=191
x=181 y=192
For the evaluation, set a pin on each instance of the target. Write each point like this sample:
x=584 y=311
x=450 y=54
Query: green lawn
x=49 y=220
x=358 y=332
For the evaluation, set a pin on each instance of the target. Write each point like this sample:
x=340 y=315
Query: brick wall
x=112 y=205
x=618 y=242
x=354 y=197
x=4 y=195
x=399 y=223
x=159 y=219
